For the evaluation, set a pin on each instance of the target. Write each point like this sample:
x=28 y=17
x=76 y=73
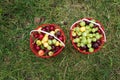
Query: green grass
x=17 y=62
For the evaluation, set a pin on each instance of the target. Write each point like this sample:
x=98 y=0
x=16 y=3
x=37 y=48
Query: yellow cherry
x=45 y=44
x=50 y=53
x=52 y=32
x=57 y=30
x=82 y=29
x=38 y=42
x=57 y=43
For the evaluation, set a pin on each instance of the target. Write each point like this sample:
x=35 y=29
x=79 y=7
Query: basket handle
x=84 y=19
x=39 y=30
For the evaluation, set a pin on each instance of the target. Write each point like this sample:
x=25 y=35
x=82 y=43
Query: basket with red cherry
x=47 y=40
x=87 y=35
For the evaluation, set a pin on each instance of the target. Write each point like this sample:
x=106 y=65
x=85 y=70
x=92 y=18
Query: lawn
x=17 y=62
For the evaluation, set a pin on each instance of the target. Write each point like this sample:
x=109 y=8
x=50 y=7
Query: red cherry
x=37 y=48
x=36 y=34
x=53 y=47
x=50 y=37
x=84 y=48
x=57 y=48
x=41 y=36
x=46 y=51
x=99 y=42
x=95 y=45
x=58 y=33
x=34 y=45
x=52 y=28
x=99 y=31
x=47 y=28
x=96 y=26
x=61 y=38
x=44 y=29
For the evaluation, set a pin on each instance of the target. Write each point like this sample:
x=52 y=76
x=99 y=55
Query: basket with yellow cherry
x=46 y=41
x=87 y=35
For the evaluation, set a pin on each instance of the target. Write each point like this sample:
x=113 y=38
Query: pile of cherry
x=45 y=44
x=86 y=36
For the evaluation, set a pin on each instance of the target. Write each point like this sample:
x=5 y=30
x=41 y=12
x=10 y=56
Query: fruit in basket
x=52 y=28
x=54 y=41
x=47 y=44
x=38 y=42
x=41 y=36
x=53 y=47
x=57 y=48
x=86 y=36
x=57 y=43
x=50 y=37
x=50 y=53
x=47 y=28
x=49 y=47
x=52 y=32
x=58 y=33
x=82 y=29
x=44 y=29
x=91 y=49
x=41 y=52
x=83 y=47
x=95 y=45
x=45 y=38
x=36 y=47
x=61 y=38
x=50 y=42
x=99 y=42
x=82 y=23
x=36 y=35
x=73 y=33
x=91 y=24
